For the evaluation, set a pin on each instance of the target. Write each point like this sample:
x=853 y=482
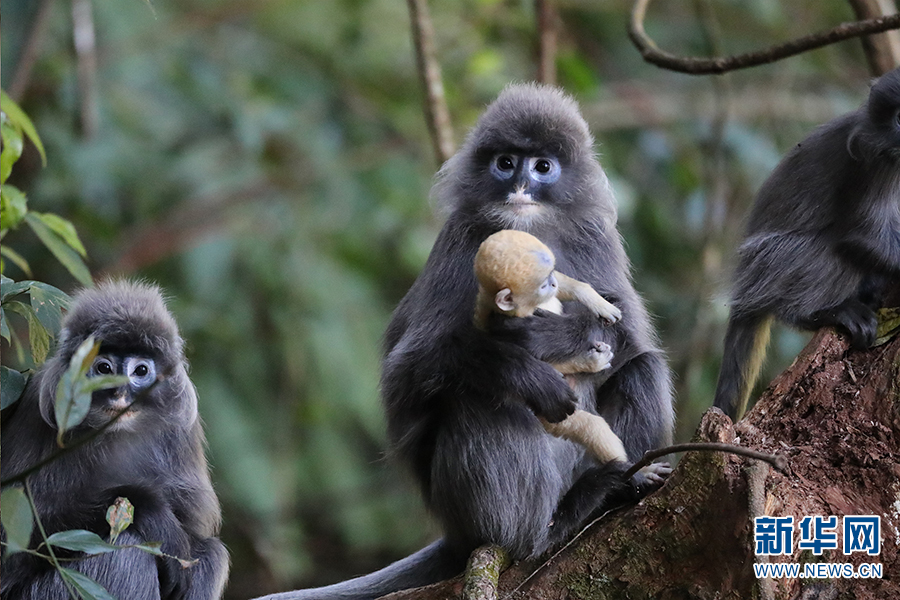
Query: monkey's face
x=129 y=399
x=523 y=187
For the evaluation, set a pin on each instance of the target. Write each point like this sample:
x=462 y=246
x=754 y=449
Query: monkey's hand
x=174 y=579
x=650 y=478
x=549 y=397
x=572 y=289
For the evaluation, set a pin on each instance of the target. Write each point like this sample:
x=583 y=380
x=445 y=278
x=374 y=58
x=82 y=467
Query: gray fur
x=461 y=403
x=159 y=464
x=823 y=237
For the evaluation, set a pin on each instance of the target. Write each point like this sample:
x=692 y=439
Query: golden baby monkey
x=516 y=276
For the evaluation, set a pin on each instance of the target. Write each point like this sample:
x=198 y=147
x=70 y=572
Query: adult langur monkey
x=461 y=403
x=822 y=242
x=153 y=455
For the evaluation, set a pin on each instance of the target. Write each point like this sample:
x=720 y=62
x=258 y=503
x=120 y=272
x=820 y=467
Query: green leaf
x=119 y=516
x=9 y=288
x=888 y=325
x=12 y=383
x=48 y=302
x=17 y=259
x=13 y=206
x=12 y=148
x=63 y=229
x=86 y=587
x=72 y=405
x=60 y=249
x=38 y=336
x=20 y=120
x=4 y=326
x=17 y=519
x=81 y=540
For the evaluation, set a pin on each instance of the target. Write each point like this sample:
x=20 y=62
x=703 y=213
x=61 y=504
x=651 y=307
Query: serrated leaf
x=64 y=229
x=17 y=259
x=20 y=120
x=12 y=384
x=119 y=516
x=81 y=540
x=86 y=587
x=38 y=336
x=60 y=249
x=72 y=405
x=13 y=206
x=17 y=519
x=48 y=302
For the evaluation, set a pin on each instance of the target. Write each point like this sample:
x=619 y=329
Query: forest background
x=268 y=164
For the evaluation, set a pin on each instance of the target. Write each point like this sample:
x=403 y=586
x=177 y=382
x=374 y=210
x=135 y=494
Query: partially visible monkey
x=822 y=241
x=461 y=404
x=153 y=455
x=516 y=276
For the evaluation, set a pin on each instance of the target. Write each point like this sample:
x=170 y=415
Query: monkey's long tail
x=745 y=348
x=431 y=564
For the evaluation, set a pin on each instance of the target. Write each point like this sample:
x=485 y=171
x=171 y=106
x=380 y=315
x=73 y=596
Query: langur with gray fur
x=461 y=403
x=153 y=454
x=822 y=241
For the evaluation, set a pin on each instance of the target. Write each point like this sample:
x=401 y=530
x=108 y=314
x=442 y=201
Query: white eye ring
x=103 y=366
x=544 y=169
x=141 y=371
x=503 y=166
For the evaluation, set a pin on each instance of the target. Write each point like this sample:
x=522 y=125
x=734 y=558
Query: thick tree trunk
x=834 y=413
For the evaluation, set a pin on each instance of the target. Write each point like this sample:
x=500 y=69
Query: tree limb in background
x=548 y=29
x=436 y=112
x=86 y=52
x=882 y=51
x=706 y=66
x=31 y=51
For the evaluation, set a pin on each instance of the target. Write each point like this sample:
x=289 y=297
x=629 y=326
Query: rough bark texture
x=835 y=413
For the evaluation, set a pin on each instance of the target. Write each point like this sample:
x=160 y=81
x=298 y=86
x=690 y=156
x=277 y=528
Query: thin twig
x=705 y=66
x=778 y=461
x=31 y=51
x=37 y=519
x=22 y=475
x=436 y=112
x=547 y=40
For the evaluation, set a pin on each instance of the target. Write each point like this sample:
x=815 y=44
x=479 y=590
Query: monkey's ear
x=504 y=300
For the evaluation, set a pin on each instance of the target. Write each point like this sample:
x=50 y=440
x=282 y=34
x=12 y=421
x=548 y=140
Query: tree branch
x=706 y=66
x=548 y=22
x=436 y=112
x=882 y=51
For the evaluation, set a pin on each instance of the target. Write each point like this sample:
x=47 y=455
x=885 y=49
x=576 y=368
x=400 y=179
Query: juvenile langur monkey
x=153 y=455
x=516 y=276
x=822 y=241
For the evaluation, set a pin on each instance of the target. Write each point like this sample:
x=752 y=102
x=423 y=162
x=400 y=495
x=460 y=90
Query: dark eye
x=505 y=163
x=141 y=371
x=544 y=169
x=503 y=166
x=543 y=166
x=103 y=367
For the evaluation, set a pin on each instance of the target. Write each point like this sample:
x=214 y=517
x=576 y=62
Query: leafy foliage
x=269 y=165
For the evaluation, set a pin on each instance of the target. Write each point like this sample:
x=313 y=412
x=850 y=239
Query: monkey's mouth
x=522 y=204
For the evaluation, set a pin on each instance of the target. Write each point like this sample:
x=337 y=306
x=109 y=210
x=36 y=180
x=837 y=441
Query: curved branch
x=776 y=460
x=705 y=66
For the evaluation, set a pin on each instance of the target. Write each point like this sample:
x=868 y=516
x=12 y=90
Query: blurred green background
x=268 y=163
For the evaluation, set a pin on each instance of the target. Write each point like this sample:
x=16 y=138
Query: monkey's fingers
x=657 y=472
